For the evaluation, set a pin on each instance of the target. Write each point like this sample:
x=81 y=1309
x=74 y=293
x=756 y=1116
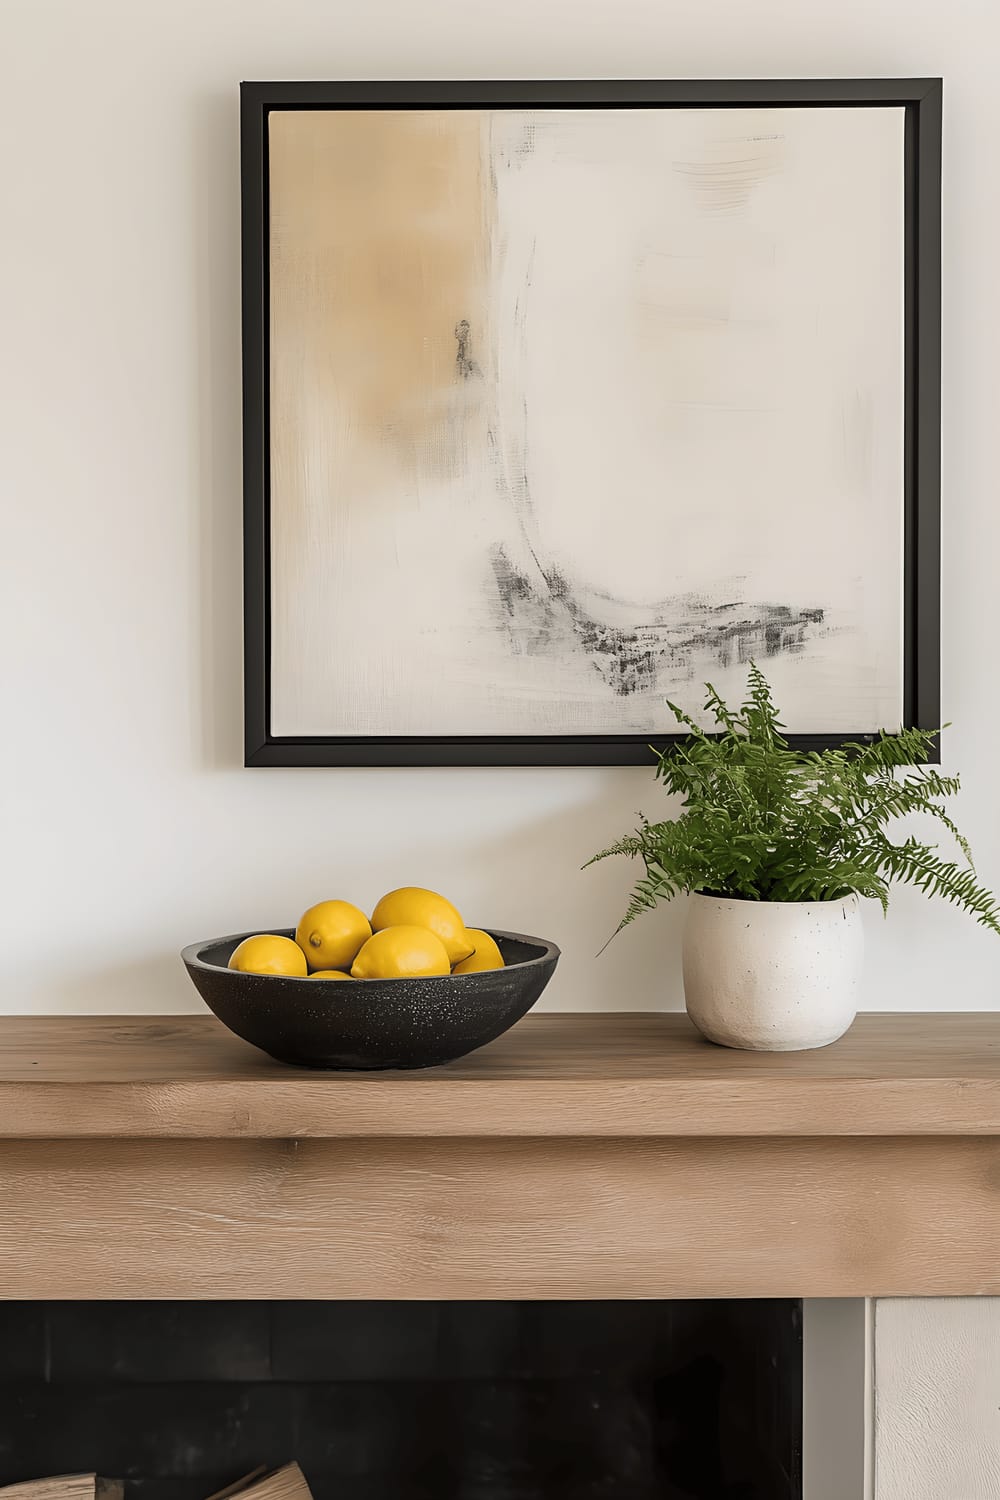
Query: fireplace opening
x=618 y=1400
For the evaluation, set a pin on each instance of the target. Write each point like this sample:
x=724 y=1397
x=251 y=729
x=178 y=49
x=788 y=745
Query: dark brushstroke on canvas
x=464 y=363
x=543 y=618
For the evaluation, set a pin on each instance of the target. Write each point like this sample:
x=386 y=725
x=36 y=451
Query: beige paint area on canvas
x=379 y=253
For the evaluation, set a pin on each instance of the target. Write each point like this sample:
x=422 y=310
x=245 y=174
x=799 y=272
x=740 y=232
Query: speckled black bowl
x=371 y=1023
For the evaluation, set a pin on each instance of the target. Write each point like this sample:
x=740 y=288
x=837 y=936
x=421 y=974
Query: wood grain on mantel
x=589 y=1075
x=579 y=1156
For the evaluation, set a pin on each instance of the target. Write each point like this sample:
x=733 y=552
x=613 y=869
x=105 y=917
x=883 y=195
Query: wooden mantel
x=579 y=1156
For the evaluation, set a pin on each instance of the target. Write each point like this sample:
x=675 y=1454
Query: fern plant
x=763 y=822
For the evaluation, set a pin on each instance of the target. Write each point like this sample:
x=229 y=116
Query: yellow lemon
x=267 y=954
x=404 y=952
x=486 y=954
x=329 y=974
x=411 y=906
x=331 y=934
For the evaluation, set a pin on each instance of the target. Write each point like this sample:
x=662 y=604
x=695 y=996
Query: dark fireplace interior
x=410 y=1400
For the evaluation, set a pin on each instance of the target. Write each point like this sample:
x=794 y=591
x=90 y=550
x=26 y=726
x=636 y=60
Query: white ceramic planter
x=772 y=976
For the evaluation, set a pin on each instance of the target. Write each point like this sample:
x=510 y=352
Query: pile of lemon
x=412 y=933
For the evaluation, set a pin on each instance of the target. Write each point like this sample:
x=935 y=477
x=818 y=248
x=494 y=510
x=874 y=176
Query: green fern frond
x=630 y=845
x=913 y=863
x=760 y=821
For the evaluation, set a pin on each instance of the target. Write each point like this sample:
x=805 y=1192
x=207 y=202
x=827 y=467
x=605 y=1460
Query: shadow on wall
x=578 y=909
x=217 y=665
x=640 y=969
x=155 y=985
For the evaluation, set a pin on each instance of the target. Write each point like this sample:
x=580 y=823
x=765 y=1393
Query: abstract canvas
x=571 y=408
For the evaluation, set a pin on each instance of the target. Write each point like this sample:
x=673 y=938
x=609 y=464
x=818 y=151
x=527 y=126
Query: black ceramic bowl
x=371 y=1023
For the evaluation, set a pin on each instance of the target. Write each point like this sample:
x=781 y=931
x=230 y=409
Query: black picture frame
x=921 y=99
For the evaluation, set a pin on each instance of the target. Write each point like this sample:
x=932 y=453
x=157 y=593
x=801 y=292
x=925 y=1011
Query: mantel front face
x=518 y=1218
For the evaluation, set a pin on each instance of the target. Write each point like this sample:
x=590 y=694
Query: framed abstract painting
x=561 y=399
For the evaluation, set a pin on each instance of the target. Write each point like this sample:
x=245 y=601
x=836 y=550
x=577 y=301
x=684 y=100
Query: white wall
x=937 y=1398
x=129 y=826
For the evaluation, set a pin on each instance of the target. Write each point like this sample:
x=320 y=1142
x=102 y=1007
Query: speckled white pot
x=772 y=976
